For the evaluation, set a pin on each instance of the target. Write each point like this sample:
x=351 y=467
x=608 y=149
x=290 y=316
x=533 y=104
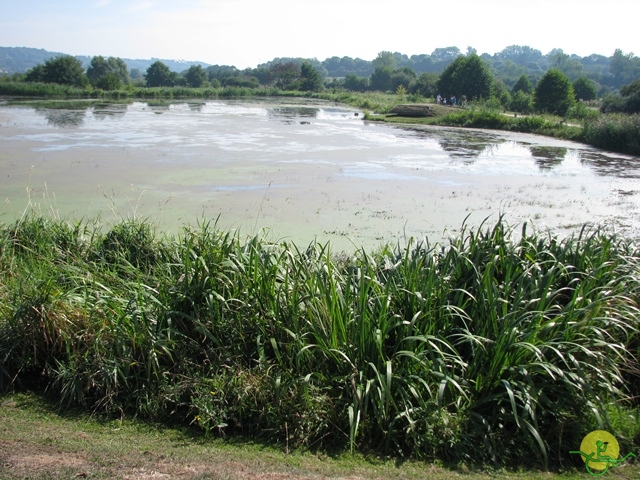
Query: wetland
x=300 y=170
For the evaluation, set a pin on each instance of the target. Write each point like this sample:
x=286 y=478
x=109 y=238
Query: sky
x=246 y=33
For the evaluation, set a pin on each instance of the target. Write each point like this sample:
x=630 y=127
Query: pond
x=301 y=171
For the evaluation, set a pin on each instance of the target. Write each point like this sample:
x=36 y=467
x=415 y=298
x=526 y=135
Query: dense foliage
x=63 y=70
x=466 y=76
x=159 y=75
x=498 y=347
x=627 y=101
x=554 y=93
x=616 y=132
x=108 y=73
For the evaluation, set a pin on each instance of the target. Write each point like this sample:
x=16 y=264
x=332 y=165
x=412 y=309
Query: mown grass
x=499 y=348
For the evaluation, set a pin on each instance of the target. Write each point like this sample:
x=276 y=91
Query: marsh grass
x=499 y=347
x=615 y=131
x=481 y=116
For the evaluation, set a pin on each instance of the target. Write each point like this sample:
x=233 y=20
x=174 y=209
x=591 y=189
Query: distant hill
x=21 y=59
x=508 y=65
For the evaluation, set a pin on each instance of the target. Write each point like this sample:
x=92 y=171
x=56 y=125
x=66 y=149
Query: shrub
x=616 y=132
x=521 y=102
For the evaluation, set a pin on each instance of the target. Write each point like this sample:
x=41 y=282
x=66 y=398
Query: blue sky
x=246 y=33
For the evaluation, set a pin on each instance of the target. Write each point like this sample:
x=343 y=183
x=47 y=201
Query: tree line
x=469 y=77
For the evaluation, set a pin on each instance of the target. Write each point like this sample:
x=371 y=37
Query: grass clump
x=483 y=350
x=615 y=131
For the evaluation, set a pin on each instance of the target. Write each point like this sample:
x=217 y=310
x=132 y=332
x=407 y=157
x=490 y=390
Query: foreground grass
x=39 y=441
x=500 y=348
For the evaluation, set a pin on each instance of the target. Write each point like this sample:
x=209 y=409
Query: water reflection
x=159 y=107
x=607 y=165
x=292 y=114
x=196 y=106
x=548 y=157
x=109 y=110
x=496 y=152
x=63 y=118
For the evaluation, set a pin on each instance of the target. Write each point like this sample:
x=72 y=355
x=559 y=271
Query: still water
x=301 y=171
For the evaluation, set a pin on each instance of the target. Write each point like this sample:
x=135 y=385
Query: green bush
x=521 y=102
x=616 y=132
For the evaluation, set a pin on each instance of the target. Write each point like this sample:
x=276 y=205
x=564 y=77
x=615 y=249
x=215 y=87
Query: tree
x=628 y=101
x=244 y=81
x=159 y=75
x=522 y=85
x=426 y=85
x=195 y=76
x=446 y=54
x=107 y=74
x=63 y=69
x=584 y=89
x=284 y=75
x=624 y=67
x=567 y=64
x=521 y=102
x=136 y=74
x=405 y=77
x=310 y=80
x=466 y=76
x=385 y=60
x=381 y=79
x=36 y=74
x=355 y=83
x=554 y=93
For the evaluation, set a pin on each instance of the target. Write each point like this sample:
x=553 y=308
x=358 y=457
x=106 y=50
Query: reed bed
x=500 y=347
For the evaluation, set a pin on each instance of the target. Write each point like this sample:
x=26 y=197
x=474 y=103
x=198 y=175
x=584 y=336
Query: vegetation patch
x=501 y=348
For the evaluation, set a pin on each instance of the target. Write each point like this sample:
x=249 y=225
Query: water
x=301 y=171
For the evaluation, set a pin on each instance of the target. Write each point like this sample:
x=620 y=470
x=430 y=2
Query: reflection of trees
x=290 y=113
x=611 y=166
x=548 y=157
x=467 y=147
x=196 y=106
x=101 y=112
x=63 y=118
x=158 y=106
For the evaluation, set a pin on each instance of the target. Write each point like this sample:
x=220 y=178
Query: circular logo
x=600 y=445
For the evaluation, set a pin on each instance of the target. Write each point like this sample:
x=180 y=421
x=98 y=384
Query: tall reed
x=500 y=347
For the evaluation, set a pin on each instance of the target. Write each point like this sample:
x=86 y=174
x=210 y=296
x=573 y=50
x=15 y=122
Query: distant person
x=438 y=99
x=453 y=100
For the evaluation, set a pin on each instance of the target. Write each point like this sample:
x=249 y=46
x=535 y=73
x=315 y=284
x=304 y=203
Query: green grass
x=490 y=118
x=500 y=348
x=40 y=441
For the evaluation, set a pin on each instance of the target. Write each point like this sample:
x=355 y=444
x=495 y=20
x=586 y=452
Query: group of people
x=452 y=101
x=442 y=100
